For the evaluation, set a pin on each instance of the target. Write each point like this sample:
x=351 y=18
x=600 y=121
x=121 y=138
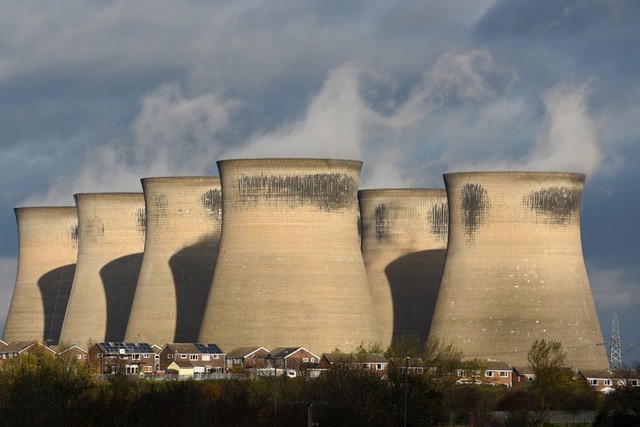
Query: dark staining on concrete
x=557 y=204
x=141 y=217
x=75 y=233
x=161 y=201
x=326 y=191
x=382 y=221
x=212 y=202
x=439 y=220
x=474 y=206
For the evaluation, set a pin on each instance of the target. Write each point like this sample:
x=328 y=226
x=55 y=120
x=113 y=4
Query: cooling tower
x=47 y=238
x=111 y=229
x=289 y=269
x=514 y=270
x=184 y=220
x=404 y=240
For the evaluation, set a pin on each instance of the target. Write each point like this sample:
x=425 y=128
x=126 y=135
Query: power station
x=48 y=247
x=111 y=230
x=514 y=270
x=404 y=241
x=289 y=268
x=184 y=221
x=282 y=252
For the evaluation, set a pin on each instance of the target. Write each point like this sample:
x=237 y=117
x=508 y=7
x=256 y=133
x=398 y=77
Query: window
x=461 y=373
x=157 y=356
x=148 y=368
x=193 y=357
x=305 y=360
x=593 y=382
x=607 y=382
x=198 y=369
x=183 y=356
x=215 y=356
x=313 y=359
x=206 y=357
x=489 y=373
x=419 y=370
x=379 y=366
x=634 y=383
x=504 y=374
x=135 y=357
x=146 y=355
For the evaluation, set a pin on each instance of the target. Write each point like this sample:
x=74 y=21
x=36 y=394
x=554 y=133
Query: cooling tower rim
x=576 y=176
x=109 y=196
x=180 y=179
x=292 y=162
x=401 y=192
x=44 y=209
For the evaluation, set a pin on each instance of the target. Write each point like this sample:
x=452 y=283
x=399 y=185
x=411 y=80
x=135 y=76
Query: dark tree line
x=39 y=390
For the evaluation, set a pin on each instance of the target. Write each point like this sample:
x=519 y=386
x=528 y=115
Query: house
x=607 y=381
x=244 y=358
x=497 y=373
x=414 y=365
x=74 y=352
x=15 y=349
x=298 y=359
x=122 y=358
x=182 y=368
x=156 y=351
x=522 y=376
x=205 y=358
x=374 y=363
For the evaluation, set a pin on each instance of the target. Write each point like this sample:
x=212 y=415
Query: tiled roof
x=354 y=358
x=284 y=352
x=617 y=374
x=195 y=348
x=497 y=366
x=182 y=363
x=125 y=347
x=243 y=352
x=17 y=346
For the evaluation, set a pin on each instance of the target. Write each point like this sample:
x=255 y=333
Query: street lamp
x=275 y=389
x=406 y=388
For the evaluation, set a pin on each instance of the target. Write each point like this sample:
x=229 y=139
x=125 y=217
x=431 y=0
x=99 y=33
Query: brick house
x=15 y=349
x=522 y=376
x=123 y=358
x=74 y=352
x=374 y=363
x=298 y=359
x=492 y=373
x=498 y=373
x=607 y=381
x=246 y=358
x=205 y=358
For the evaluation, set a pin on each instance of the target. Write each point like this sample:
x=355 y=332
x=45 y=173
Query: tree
x=553 y=381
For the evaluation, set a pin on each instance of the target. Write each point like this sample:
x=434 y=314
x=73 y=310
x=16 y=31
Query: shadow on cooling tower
x=192 y=270
x=119 y=278
x=55 y=288
x=414 y=280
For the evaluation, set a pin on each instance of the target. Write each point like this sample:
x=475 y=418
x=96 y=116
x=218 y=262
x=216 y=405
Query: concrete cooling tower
x=111 y=230
x=184 y=221
x=404 y=240
x=514 y=270
x=48 y=242
x=289 y=269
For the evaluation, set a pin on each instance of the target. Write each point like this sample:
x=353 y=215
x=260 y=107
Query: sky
x=95 y=95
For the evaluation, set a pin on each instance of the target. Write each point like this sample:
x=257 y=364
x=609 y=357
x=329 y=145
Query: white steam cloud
x=458 y=113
